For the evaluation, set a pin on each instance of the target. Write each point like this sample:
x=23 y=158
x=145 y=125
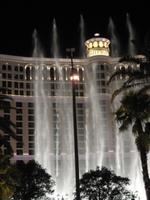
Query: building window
x=19 y=124
x=16 y=77
x=19 y=152
x=28 y=73
x=30 y=105
x=102 y=75
x=30 y=111
x=21 y=92
x=9 y=84
x=19 y=145
x=30 y=118
x=9 y=67
x=4 y=83
x=16 y=85
x=102 y=67
x=3 y=67
x=28 y=93
x=31 y=152
x=21 y=69
x=21 y=77
x=31 y=138
x=31 y=131
x=18 y=104
x=103 y=83
x=19 y=138
x=21 y=85
x=31 y=145
x=19 y=118
x=19 y=131
x=16 y=68
x=3 y=75
x=31 y=125
x=9 y=76
x=28 y=85
x=52 y=73
x=16 y=92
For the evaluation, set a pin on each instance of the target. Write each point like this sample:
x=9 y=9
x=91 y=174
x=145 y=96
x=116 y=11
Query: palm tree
x=7 y=172
x=8 y=177
x=135 y=111
x=136 y=76
x=6 y=125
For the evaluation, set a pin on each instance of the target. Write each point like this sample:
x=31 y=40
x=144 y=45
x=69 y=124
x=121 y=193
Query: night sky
x=18 y=20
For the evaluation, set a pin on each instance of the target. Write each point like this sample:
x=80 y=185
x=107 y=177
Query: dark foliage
x=6 y=125
x=35 y=182
x=103 y=184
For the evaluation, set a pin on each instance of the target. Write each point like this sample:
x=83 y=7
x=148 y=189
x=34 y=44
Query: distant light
x=74 y=77
x=96 y=34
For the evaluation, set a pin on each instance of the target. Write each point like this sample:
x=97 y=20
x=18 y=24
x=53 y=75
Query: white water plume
x=82 y=37
x=94 y=129
x=43 y=118
x=64 y=135
x=132 y=37
x=115 y=44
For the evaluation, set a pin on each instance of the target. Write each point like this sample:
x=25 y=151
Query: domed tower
x=97 y=46
x=98 y=61
x=101 y=148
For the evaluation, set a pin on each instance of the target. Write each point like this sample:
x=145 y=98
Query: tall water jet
x=64 y=122
x=82 y=37
x=115 y=44
x=132 y=37
x=43 y=117
x=57 y=132
x=94 y=129
x=55 y=42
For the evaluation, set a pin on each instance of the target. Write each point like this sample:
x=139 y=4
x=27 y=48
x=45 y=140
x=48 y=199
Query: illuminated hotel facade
x=18 y=76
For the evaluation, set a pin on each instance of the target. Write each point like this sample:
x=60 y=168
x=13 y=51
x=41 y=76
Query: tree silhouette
x=103 y=184
x=35 y=182
x=134 y=111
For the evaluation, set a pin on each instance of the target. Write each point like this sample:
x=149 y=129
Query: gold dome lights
x=97 y=46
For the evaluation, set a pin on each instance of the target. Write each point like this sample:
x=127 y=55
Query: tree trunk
x=143 y=155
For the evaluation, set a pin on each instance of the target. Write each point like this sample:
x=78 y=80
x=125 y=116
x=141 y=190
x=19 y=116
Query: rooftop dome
x=97 y=46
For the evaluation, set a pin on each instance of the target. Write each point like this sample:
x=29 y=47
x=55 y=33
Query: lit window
x=101 y=44
x=95 y=44
x=105 y=44
x=90 y=45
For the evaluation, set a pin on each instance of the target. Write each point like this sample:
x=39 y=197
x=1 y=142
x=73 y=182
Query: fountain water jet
x=132 y=37
x=59 y=144
x=115 y=44
x=43 y=121
x=82 y=37
x=64 y=133
x=94 y=130
x=53 y=134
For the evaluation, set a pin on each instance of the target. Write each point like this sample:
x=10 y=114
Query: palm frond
x=118 y=73
x=125 y=124
x=4 y=142
x=7 y=126
x=131 y=59
x=123 y=88
x=144 y=90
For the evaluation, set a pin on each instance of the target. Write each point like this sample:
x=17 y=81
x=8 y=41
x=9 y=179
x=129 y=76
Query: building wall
x=18 y=75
